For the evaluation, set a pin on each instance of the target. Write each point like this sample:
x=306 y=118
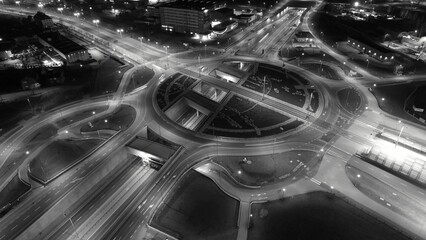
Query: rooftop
x=61 y=43
x=304 y=35
x=153 y=148
x=41 y=16
x=191 y=4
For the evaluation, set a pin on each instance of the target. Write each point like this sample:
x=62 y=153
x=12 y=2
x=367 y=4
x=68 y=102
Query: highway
x=124 y=204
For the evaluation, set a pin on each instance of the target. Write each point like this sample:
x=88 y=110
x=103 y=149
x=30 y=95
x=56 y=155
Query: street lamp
x=120 y=31
x=77 y=15
x=60 y=10
x=18 y=3
x=96 y=22
x=167 y=55
x=40 y=5
x=140 y=39
x=399 y=136
x=368 y=62
x=205 y=50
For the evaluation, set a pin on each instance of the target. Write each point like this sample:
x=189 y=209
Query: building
x=184 y=16
x=42 y=20
x=374 y=50
x=245 y=18
x=303 y=36
x=67 y=49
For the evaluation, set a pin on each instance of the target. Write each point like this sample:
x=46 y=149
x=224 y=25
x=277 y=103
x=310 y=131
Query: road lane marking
x=26 y=217
x=37 y=208
x=421 y=192
x=315 y=181
x=14 y=227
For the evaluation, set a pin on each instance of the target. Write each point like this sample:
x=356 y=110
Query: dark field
x=12 y=191
x=317 y=216
x=197 y=209
x=59 y=155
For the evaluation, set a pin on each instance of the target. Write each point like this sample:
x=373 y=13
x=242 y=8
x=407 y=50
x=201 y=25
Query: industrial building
x=66 y=48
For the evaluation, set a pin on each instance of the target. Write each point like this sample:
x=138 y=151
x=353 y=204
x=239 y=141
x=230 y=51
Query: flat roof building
x=371 y=48
x=186 y=16
x=65 y=47
x=42 y=20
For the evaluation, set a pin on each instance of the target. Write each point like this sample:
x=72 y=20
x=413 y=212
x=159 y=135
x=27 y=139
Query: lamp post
x=167 y=55
x=73 y=226
x=399 y=136
x=199 y=65
x=77 y=15
x=96 y=22
x=120 y=31
x=140 y=39
x=60 y=10
x=29 y=102
x=205 y=50
x=18 y=3
x=368 y=62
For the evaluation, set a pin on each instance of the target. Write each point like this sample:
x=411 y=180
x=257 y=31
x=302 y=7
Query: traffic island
x=109 y=75
x=139 y=78
x=350 y=100
x=323 y=70
x=317 y=215
x=59 y=156
x=197 y=209
x=393 y=98
x=10 y=195
x=117 y=121
x=262 y=170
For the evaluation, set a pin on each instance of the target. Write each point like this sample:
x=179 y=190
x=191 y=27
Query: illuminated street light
x=27 y=152
x=18 y=3
x=356 y=4
x=120 y=31
x=106 y=120
x=77 y=14
x=60 y=10
x=96 y=22
x=40 y=5
x=140 y=39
